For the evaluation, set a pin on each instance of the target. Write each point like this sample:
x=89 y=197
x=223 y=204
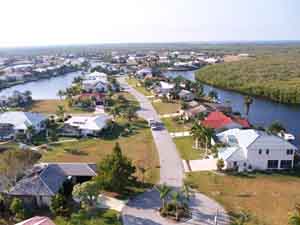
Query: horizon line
x=213 y=42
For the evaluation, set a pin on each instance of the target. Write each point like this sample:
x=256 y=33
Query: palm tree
x=60 y=112
x=60 y=94
x=163 y=191
x=175 y=199
x=186 y=191
x=213 y=95
x=248 y=100
x=202 y=134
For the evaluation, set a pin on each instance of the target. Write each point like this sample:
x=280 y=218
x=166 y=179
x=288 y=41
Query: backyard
x=269 y=198
x=138 y=146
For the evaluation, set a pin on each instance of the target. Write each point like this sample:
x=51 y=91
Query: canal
x=45 y=88
x=262 y=112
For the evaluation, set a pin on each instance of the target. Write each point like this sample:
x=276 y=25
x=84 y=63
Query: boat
x=286 y=136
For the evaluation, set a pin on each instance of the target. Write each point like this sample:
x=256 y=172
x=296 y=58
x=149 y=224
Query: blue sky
x=50 y=22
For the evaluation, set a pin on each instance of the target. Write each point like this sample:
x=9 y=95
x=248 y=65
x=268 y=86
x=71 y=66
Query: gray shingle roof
x=50 y=178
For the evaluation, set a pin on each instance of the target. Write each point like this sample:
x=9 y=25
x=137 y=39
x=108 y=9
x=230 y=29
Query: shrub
x=220 y=164
x=17 y=209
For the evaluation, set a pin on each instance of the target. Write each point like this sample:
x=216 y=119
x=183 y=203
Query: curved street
x=142 y=210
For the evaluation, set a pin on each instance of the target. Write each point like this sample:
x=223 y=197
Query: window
x=286 y=164
x=235 y=163
x=289 y=152
x=267 y=151
x=272 y=164
x=259 y=151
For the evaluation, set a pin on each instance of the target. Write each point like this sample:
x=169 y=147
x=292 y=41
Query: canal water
x=262 y=112
x=45 y=88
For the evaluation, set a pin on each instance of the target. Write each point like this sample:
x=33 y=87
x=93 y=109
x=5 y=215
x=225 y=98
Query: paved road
x=142 y=210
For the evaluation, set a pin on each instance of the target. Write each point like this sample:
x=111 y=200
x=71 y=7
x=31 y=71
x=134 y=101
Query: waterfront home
x=85 y=125
x=45 y=180
x=96 y=98
x=95 y=82
x=21 y=121
x=249 y=149
x=163 y=88
x=37 y=220
x=192 y=112
x=220 y=122
x=186 y=95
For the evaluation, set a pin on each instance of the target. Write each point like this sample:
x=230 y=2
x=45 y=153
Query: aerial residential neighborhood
x=149 y=112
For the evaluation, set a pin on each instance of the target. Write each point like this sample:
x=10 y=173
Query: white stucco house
x=249 y=149
x=21 y=121
x=95 y=82
x=88 y=125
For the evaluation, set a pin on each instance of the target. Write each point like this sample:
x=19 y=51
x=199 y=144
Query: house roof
x=235 y=153
x=95 y=123
x=37 y=220
x=22 y=120
x=242 y=138
x=166 y=85
x=47 y=178
x=218 y=120
x=184 y=92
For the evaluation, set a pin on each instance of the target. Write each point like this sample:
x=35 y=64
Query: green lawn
x=166 y=107
x=268 y=198
x=135 y=83
x=101 y=217
x=176 y=126
x=185 y=149
x=138 y=146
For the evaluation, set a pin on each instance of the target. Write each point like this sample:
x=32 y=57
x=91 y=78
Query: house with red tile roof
x=219 y=121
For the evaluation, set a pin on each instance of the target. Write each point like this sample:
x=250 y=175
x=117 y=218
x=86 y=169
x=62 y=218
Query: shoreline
x=245 y=93
x=34 y=80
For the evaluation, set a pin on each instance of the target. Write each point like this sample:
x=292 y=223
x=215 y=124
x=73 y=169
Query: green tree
x=87 y=193
x=59 y=205
x=176 y=201
x=202 y=135
x=213 y=95
x=61 y=94
x=115 y=171
x=163 y=191
x=248 y=100
x=60 y=112
x=220 y=164
x=276 y=127
x=17 y=208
